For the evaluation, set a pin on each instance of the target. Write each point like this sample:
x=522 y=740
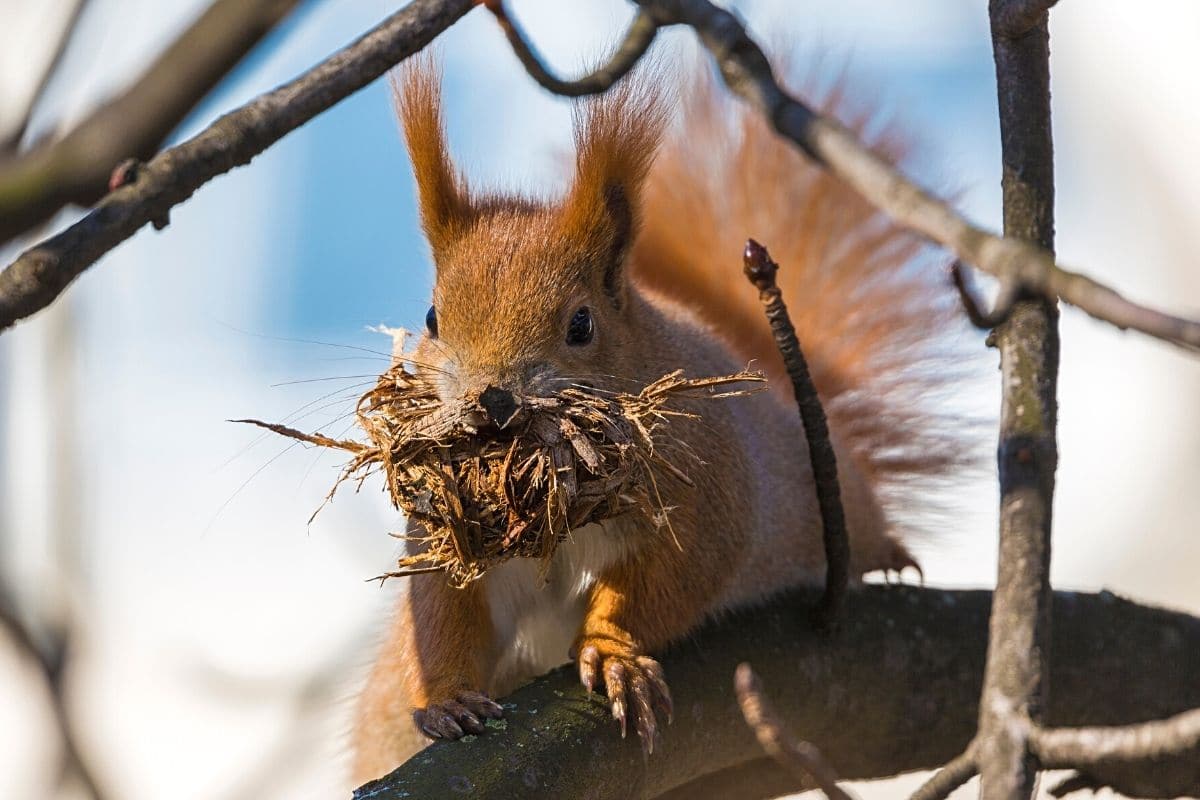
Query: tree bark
x=1015 y=679
x=894 y=691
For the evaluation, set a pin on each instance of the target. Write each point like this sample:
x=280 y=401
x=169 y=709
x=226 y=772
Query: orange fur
x=871 y=325
x=511 y=273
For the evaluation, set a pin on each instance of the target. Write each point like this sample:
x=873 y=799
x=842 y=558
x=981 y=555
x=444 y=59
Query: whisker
x=305 y=341
x=320 y=380
x=245 y=483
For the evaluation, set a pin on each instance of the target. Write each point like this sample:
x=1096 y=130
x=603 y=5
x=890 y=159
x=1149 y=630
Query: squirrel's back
x=872 y=312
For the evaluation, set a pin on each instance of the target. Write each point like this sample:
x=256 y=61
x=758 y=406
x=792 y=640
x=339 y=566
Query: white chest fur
x=536 y=619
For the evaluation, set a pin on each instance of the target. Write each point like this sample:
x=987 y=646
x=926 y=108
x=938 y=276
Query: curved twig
x=633 y=46
x=41 y=273
x=761 y=270
x=978 y=315
x=802 y=758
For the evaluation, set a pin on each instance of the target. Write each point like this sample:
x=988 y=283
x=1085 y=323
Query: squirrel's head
x=531 y=297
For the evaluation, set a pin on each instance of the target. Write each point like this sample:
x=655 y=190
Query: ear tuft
x=442 y=193
x=616 y=136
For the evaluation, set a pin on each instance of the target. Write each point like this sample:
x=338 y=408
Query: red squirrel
x=633 y=273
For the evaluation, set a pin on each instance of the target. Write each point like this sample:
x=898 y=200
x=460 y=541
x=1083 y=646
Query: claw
x=589 y=667
x=452 y=719
x=636 y=689
x=481 y=705
x=614 y=678
x=658 y=683
x=463 y=717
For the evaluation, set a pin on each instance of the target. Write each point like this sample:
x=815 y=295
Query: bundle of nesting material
x=562 y=461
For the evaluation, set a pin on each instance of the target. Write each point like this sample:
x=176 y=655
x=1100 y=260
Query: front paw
x=453 y=719
x=635 y=685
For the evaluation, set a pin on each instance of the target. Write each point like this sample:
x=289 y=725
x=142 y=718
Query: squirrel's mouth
x=500 y=407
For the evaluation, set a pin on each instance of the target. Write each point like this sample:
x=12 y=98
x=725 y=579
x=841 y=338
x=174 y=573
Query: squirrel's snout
x=500 y=405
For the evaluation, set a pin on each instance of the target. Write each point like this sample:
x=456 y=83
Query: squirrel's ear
x=442 y=193
x=616 y=136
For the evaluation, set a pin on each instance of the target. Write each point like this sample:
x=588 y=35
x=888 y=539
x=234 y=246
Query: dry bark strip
x=894 y=691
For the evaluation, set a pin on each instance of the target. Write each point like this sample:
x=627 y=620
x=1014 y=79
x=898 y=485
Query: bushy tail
x=874 y=313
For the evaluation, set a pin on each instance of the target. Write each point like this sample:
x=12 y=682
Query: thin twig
x=948 y=778
x=748 y=74
x=1015 y=692
x=76 y=168
x=979 y=316
x=801 y=758
x=633 y=46
x=41 y=273
x=1075 y=782
x=761 y=270
x=10 y=141
x=51 y=661
x=1080 y=748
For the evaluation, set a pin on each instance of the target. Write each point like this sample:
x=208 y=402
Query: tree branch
x=633 y=46
x=1015 y=681
x=1013 y=19
x=76 y=168
x=801 y=758
x=894 y=691
x=748 y=74
x=51 y=662
x=979 y=316
x=41 y=273
x=760 y=270
x=1159 y=758
x=948 y=778
x=10 y=140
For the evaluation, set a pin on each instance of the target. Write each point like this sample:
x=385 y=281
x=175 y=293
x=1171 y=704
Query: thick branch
x=76 y=168
x=748 y=74
x=760 y=270
x=894 y=691
x=38 y=276
x=633 y=46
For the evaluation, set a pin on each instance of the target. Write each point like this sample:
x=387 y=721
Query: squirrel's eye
x=581 y=328
x=431 y=322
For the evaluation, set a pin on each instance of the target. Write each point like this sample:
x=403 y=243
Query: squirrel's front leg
x=452 y=638
x=635 y=608
x=434 y=663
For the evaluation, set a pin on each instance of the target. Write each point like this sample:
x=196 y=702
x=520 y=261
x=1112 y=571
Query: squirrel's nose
x=500 y=405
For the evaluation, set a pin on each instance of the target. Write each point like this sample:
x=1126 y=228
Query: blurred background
x=219 y=638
